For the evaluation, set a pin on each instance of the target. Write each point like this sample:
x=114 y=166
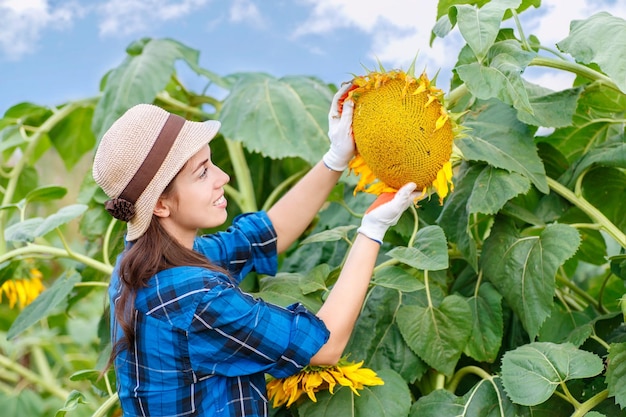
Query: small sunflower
x=403 y=133
x=316 y=378
x=23 y=291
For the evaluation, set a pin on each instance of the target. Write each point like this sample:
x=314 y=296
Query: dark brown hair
x=155 y=251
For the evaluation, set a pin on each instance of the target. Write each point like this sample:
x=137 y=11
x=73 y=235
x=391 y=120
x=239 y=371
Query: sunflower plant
x=504 y=298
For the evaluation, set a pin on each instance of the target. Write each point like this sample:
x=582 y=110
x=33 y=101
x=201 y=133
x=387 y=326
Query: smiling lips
x=220 y=201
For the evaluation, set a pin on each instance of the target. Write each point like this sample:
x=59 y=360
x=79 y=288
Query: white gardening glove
x=386 y=210
x=340 y=132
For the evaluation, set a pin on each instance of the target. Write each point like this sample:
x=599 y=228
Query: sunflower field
x=505 y=298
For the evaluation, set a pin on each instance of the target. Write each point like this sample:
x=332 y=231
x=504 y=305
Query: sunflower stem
x=588 y=209
x=574 y=68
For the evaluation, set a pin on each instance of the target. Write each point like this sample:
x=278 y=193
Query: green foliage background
x=503 y=301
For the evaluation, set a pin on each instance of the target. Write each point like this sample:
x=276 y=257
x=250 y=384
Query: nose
x=225 y=177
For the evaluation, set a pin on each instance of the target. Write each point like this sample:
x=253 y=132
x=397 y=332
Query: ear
x=161 y=209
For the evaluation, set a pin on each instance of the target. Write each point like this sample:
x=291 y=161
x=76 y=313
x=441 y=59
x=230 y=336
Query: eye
x=204 y=172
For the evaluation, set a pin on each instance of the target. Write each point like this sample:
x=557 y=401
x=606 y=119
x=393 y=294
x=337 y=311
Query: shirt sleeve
x=233 y=333
x=249 y=244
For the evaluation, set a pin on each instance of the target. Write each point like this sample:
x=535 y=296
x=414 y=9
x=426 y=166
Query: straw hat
x=140 y=155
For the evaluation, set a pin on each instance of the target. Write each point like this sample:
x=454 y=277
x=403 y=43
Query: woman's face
x=196 y=200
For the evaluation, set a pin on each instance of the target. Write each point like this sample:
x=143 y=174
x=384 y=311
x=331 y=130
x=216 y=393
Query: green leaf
x=7 y=270
x=23 y=231
x=332 y=235
x=64 y=215
x=493 y=188
x=377 y=339
x=397 y=279
x=46 y=193
x=600 y=40
x=502 y=77
x=71 y=403
x=487 y=327
x=485 y=399
x=498 y=138
x=437 y=404
x=550 y=109
x=137 y=80
x=531 y=373
x=602 y=187
x=438 y=334
x=565 y=326
x=480 y=27
x=389 y=400
x=607 y=154
x=618 y=267
x=284 y=289
x=24 y=402
x=616 y=373
x=429 y=253
x=293 y=111
x=45 y=303
x=523 y=268
x=315 y=280
x=455 y=216
x=72 y=137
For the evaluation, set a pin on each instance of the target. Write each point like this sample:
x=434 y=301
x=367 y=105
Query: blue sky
x=52 y=51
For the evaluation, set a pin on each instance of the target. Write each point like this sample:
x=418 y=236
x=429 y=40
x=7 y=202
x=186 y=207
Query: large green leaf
x=377 y=339
x=599 y=39
x=45 y=303
x=278 y=117
x=603 y=187
x=144 y=73
x=23 y=231
x=429 y=253
x=523 y=268
x=72 y=137
x=498 y=138
x=493 y=188
x=455 y=216
x=501 y=78
x=396 y=278
x=485 y=399
x=550 y=109
x=437 y=333
x=607 y=154
x=616 y=373
x=591 y=126
x=284 y=289
x=565 y=326
x=487 y=327
x=480 y=27
x=531 y=373
x=45 y=193
x=392 y=399
x=61 y=217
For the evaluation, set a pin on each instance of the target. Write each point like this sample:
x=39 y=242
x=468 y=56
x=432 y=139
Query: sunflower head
x=313 y=379
x=403 y=133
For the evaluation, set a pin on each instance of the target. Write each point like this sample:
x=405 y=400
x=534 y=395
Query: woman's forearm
x=343 y=305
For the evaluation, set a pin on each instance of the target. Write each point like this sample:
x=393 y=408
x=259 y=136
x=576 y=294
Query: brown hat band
x=123 y=207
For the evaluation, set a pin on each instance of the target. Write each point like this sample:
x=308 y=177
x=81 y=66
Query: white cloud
x=398 y=29
x=124 y=17
x=23 y=22
x=244 y=11
x=552 y=25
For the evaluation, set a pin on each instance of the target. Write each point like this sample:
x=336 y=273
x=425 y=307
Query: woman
x=188 y=341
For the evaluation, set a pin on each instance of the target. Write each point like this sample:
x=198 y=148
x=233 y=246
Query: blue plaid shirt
x=202 y=345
